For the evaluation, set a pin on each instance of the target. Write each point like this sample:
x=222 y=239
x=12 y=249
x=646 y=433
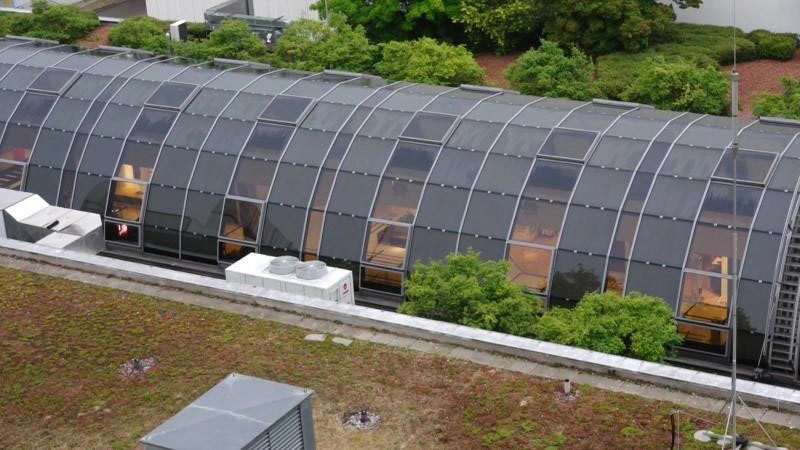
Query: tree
x=637 y=325
x=548 y=71
x=144 y=33
x=386 y=20
x=503 y=23
x=314 y=46
x=62 y=23
x=233 y=40
x=679 y=86
x=468 y=291
x=602 y=26
x=428 y=61
x=785 y=105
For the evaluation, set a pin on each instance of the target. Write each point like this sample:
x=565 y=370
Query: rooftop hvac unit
x=286 y=274
x=240 y=413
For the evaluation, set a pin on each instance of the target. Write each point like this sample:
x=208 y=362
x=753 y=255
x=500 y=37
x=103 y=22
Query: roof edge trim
x=493 y=90
x=617 y=103
x=125 y=49
x=32 y=39
x=780 y=121
x=242 y=63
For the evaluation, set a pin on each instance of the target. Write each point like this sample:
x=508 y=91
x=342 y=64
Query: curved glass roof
x=205 y=162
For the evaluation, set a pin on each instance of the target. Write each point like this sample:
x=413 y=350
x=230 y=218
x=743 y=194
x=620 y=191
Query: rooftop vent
x=312 y=270
x=283 y=265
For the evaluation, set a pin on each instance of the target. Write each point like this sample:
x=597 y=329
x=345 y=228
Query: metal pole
x=735 y=296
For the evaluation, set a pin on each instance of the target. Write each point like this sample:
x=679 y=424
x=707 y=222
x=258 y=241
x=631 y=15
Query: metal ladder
x=783 y=355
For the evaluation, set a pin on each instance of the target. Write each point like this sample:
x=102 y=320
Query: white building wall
x=780 y=16
x=290 y=10
x=191 y=10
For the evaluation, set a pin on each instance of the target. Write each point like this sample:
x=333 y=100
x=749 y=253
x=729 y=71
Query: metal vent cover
x=283 y=265
x=311 y=270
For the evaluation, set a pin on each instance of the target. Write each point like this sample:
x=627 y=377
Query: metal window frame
x=761 y=183
x=390 y=223
x=222 y=219
x=709 y=326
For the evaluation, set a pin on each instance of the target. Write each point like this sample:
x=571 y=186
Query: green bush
x=197 y=31
x=679 y=86
x=777 y=47
x=62 y=23
x=468 y=291
x=428 y=61
x=315 y=46
x=637 y=326
x=548 y=71
x=144 y=33
x=714 y=41
x=785 y=105
x=502 y=25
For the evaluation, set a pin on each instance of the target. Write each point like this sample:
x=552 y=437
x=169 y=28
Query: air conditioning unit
x=240 y=413
x=286 y=274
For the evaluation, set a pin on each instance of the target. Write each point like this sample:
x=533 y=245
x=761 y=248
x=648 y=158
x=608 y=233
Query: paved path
x=449 y=351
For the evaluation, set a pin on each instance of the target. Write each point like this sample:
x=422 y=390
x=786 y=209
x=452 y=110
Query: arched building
x=196 y=164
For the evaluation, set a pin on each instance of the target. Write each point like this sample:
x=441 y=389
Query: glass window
x=442 y=207
x=122 y=233
x=718 y=205
x=368 y=155
x=228 y=136
x=382 y=280
x=662 y=241
x=576 y=274
x=135 y=92
x=397 y=200
x=18 y=142
x=572 y=144
x=322 y=191
x=240 y=220
x=67 y=114
x=489 y=215
x=703 y=339
x=293 y=185
x=615 y=275
x=87 y=86
x=530 y=267
x=268 y=141
x=638 y=192
x=252 y=178
x=210 y=102
x=753 y=305
x=538 y=222
x=126 y=200
x=313 y=235
x=137 y=161
x=750 y=166
x=385 y=124
x=8 y=101
x=327 y=116
x=489 y=249
x=212 y=173
x=623 y=241
x=342 y=237
x=91 y=193
x=472 y=135
x=202 y=213
x=785 y=176
x=33 y=109
x=431 y=245
x=246 y=106
x=337 y=151
x=652 y=279
x=588 y=229
x=712 y=249
x=152 y=126
x=353 y=194
x=52 y=79
x=171 y=94
x=283 y=228
x=116 y=121
x=619 y=153
x=552 y=180
x=773 y=212
x=308 y=147
x=504 y=174
x=100 y=156
x=762 y=255
x=429 y=126
x=386 y=245
x=44 y=182
x=521 y=141
x=457 y=168
x=602 y=187
x=286 y=109
x=654 y=156
x=691 y=162
x=231 y=252
x=411 y=161
x=705 y=298
x=190 y=131
x=164 y=208
x=11 y=176
x=160 y=241
x=174 y=167
x=675 y=197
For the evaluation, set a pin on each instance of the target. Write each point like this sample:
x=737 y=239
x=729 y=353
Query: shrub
x=143 y=33
x=234 y=40
x=785 y=105
x=468 y=291
x=196 y=31
x=428 y=61
x=314 y=46
x=776 y=47
x=548 y=71
x=62 y=23
x=637 y=325
x=679 y=86
x=504 y=25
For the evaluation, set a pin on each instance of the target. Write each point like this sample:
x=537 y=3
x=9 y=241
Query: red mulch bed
x=96 y=38
x=495 y=66
x=763 y=75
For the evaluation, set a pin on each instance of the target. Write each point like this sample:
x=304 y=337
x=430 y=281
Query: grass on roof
x=62 y=343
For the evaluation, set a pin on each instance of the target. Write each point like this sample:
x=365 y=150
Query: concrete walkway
x=449 y=351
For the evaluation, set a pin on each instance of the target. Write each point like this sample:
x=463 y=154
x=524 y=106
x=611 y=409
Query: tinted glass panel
x=552 y=180
x=67 y=114
x=503 y=174
x=620 y=153
x=386 y=281
x=283 y=228
x=675 y=197
x=474 y=135
x=709 y=340
x=116 y=121
x=750 y=166
x=230 y=252
x=576 y=274
x=705 y=298
x=101 y=155
x=171 y=95
x=568 y=143
x=268 y=141
x=122 y=233
x=602 y=187
x=368 y=155
x=529 y=266
x=11 y=176
x=638 y=192
x=652 y=279
x=240 y=220
x=164 y=208
x=253 y=178
x=174 y=167
x=246 y=106
x=386 y=245
x=538 y=222
x=397 y=200
x=588 y=229
x=384 y=123
x=785 y=176
x=228 y=136
x=691 y=162
x=126 y=200
x=411 y=161
x=753 y=305
x=623 y=241
x=489 y=249
x=293 y=185
x=18 y=143
x=327 y=116
x=429 y=126
x=152 y=125
x=286 y=108
x=212 y=173
x=712 y=249
x=489 y=215
x=308 y=147
x=718 y=206
x=52 y=79
x=662 y=241
x=773 y=212
x=342 y=237
x=44 y=182
x=457 y=168
x=431 y=245
x=33 y=109
x=762 y=255
x=190 y=131
x=137 y=161
x=90 y=193
x=523 y=141
x=442 y=207
x=210 y=102
x=202 y=213
x=353 y=194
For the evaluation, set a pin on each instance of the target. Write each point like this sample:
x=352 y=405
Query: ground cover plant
x=62 y=344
